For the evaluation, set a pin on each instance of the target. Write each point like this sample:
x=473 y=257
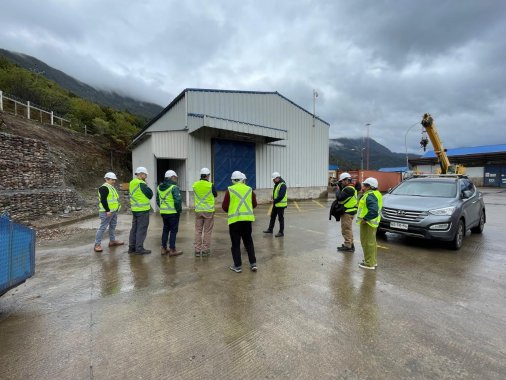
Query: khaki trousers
x=204 y=223
x=346 y=229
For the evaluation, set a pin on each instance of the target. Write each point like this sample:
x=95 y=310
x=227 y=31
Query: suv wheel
x=479 y=228
x=459 y=236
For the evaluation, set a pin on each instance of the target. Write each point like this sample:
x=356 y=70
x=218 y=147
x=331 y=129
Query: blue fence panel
x=17 y=254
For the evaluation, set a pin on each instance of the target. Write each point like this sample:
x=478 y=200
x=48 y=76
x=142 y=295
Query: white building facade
x=253 y=132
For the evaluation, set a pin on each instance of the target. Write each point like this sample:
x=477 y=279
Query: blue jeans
x=170 y=225
x=106 y=221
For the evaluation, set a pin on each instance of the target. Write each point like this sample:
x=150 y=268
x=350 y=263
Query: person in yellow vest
x=140 y=194
x=239 y=202
x=205 y=193
x=108 y=207
x=279 y=203
x=347 y=197
x=369 y=215
x=168 y=199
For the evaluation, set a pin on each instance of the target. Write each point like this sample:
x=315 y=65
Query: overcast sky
x=381 y=62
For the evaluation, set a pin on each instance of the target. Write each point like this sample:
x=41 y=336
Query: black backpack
x=336 y=210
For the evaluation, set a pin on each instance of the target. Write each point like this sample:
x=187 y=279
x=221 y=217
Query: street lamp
x=406 y=144
x=315 y=95
x=367 y=145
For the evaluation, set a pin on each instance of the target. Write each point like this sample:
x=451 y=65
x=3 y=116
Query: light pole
x=406 y=144
x=367 y=145
x=315 y=95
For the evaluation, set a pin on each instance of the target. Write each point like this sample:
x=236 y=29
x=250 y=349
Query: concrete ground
x=309 y=312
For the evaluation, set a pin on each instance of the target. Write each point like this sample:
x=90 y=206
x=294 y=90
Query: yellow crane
x=444 y=162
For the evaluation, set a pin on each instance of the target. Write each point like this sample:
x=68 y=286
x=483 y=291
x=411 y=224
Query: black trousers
x=139 y=230
x=280 y=213
x=241 y=230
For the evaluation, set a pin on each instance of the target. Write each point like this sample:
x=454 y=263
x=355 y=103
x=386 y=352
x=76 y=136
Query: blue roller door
x=229 y=155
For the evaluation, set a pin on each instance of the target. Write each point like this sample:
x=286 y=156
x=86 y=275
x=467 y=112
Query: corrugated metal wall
x=303 y=162
x=175 y=119
x=143 y=155
x=172 y=144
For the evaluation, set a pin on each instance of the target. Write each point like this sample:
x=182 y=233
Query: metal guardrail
x=17 y=253
x=19 y=108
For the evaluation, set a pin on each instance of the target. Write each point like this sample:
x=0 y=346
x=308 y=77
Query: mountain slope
x=351 y=154
x=110 y=99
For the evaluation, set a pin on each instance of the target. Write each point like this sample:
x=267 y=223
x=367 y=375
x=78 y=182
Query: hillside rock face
x=50 y=169
x=32 y=185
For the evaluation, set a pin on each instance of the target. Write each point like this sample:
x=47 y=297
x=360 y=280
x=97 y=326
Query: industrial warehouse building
x=254 y=132
x=485 y=165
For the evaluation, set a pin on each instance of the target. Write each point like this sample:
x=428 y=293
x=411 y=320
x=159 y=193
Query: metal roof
x=484 y=149
x=469 y=156
x=399 y=169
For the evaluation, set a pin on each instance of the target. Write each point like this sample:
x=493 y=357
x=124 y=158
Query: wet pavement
x=309 y=312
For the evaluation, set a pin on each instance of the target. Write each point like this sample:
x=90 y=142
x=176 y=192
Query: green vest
x=241 y=205
x=166 y=200
x=350 y=203
x=363 y=210
x=284 y=201
x=204 y=198
x=138 y=201
x=112 y=199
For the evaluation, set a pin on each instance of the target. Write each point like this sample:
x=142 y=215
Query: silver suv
x=441 y=207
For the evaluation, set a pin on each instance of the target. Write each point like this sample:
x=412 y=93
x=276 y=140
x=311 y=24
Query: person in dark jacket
x=140 y=194
x=108 y=207
x=168 y=199
x=279 y=203
x=346 y=195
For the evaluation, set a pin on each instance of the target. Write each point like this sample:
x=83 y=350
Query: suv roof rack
x=439 y=176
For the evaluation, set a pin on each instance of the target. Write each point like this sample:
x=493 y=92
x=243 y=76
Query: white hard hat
x=275 y=175
x=373 y=182
x=237 y=175
x=205 y=171
x=141 y=169
x=170 y=173
x=110 y=175
x=343 y=176
x=243 y=176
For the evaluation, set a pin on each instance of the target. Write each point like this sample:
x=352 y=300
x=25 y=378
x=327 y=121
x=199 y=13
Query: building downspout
x=186 y=165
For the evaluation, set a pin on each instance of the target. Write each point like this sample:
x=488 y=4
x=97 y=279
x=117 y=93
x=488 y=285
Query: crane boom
x=444 y=162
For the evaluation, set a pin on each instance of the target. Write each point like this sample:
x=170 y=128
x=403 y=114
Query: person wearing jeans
x=168 y=199
x=108 y=206
x=279 y=203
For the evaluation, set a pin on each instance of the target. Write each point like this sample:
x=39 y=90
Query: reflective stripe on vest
x=350 y=203
x=284 y=201
x=166 y=201
x=204 y=198
x=112 y=199
x=241 y=205
x=363 y=210
x=138 y=201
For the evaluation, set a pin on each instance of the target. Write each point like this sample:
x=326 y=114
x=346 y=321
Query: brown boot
x=174 y=252
x=164 y=251
x=115 y=243
x=98 y=248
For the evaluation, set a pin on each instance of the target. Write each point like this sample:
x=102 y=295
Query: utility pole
x=367 y=142
x=315 y=95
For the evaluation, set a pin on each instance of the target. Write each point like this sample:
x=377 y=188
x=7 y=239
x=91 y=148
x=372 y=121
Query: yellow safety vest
x=350 y=203
x=138 y=201
x=241 y=204
x=112 y=199
x=166 y=201
x=284 y=201
x=363 y=210
x=204 y=198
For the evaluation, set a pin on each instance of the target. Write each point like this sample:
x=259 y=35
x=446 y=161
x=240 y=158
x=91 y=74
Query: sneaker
x=268 y=232
x=143 y=252
x=197 y=254
x=253 y=267
x=115 y=243
x=279 y=234
x=344 y=248
x=362 y=262
x=235 y=269
x=98 y=248
x=364 y=266
x=205 y=253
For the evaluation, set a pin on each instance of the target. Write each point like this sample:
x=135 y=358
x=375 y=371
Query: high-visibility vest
x=204 y=198
x=284 y=201
x=112 y=199
x=166 y=201
x=241 y=204
x=350 y=203
x=138 y=201
x=363 y=210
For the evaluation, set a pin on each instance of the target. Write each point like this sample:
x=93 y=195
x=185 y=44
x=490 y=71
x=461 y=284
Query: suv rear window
x=427 y=189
